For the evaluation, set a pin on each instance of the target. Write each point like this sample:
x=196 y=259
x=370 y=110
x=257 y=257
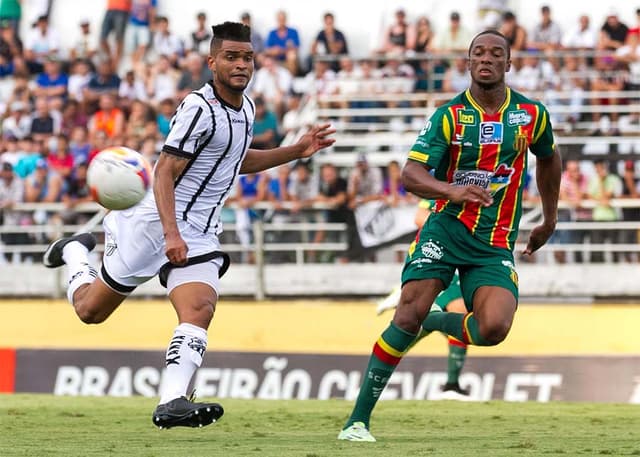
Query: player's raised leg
x=91 y=298
x=194 y=303
x=493 y=310
x=415 y=301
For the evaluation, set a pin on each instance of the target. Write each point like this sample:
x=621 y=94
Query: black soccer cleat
x=182 y=412
x=455 y=387
x=53 y=255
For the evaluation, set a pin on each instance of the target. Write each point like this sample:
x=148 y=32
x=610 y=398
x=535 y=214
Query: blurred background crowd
x=120 y=85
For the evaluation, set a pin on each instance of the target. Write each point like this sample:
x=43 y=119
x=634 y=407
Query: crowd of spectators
x=61 y=105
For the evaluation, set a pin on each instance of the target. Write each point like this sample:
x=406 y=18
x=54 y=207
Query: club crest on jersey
x=501 y=178
x=520 y=143
x=519 y=117
x=466 y=117
x=490 y=133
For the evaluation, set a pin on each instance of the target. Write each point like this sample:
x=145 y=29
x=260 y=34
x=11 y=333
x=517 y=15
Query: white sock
x=184 y=356
x=79 y=271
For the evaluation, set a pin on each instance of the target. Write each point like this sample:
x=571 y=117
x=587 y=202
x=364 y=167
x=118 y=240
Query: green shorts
x=444 y=244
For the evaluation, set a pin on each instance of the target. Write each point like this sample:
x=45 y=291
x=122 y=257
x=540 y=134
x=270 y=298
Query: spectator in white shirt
x=273 y=82
x=166 y=42
x=42 y=42
x=163 y=81
x=582 y=36
x=453 y=38
x=85 y=45
x=78 y=80
x=18 y=123
x=132 y=88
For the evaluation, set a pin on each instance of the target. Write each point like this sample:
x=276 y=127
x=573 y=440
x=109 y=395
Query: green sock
x=455 y=361
x=463 y=327
x=387 y=353
x=421 y=334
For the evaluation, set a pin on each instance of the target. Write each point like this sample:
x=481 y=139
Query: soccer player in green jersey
x=477 y=147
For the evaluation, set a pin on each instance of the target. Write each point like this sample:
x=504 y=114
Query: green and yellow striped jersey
x=465 y=145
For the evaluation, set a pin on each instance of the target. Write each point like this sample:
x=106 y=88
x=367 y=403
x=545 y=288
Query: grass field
x=47 y=426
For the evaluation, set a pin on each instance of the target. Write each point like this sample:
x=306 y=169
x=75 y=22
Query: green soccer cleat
x=356 y=432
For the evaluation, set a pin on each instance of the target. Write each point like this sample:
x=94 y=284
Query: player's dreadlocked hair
x=233 y=31
x=491 y=32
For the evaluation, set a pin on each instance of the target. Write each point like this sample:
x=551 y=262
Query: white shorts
x=135 y=251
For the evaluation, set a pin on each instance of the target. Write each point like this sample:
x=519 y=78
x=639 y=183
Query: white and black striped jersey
x=214 y=136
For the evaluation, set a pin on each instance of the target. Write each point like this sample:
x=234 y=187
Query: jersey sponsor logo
x=519 y=117
x=466 y=117
x=481 y=178
x=490 y=180
x=490 y=133
x=418 y=262
x=237 y=121
x=457 y=139
x=501 y=177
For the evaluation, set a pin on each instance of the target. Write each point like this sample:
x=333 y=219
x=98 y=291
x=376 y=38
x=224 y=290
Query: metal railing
x=266 y=234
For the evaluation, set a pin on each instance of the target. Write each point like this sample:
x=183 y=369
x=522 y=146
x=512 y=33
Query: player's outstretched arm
x=548 y=172
x=315 y=139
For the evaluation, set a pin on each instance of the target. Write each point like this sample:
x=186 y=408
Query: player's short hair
x=233 y=31
x=491 y=32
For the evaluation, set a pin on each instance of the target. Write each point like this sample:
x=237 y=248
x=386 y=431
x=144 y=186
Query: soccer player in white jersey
x=173 y=231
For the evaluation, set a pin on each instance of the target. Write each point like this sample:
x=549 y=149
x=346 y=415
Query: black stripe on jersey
x=201 y=146
x=187 y=134
x=176 y=152
x=251 y=105
x=206 y=180
x=173 y=119
x=235 y=173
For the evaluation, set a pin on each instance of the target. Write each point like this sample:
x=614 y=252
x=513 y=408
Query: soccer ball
x=118 y=177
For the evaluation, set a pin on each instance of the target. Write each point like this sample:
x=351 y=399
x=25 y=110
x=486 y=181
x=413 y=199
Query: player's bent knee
x=195 y=303
x=407 y=318
x=95 y=303
x=495 y=332
x=90 y=315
